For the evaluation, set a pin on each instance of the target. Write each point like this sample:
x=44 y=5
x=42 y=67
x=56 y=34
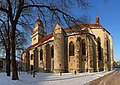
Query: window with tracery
x=52 y=51
x=83 y=47
x=99 y=49
x=32 y=57
x=41 y=54
x=71 y=49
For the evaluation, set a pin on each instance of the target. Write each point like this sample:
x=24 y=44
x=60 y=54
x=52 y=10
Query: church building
x=79 y=48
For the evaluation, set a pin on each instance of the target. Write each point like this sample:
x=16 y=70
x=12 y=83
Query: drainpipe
x=87 y=50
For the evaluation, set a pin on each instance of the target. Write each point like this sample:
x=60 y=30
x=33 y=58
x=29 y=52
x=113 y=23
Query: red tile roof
x=43 y=39
x=51 y=35
x=91 y=25
x=85 y=25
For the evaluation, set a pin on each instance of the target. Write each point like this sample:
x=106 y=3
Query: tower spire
x=38 y=31
x=97 y=20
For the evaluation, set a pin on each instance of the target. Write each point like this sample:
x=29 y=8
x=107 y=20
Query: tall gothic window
x=32 y=57
x=71 y=49
x=108 y=57
x=52 y=51
x=99 y=49
x=83 y=47
x=41 y=54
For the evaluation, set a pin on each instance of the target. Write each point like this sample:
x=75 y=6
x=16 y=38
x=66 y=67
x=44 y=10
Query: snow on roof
x=50 y=39
x=85 y=25
x=90 y=31
x=68 y=34
x=84 y=28
x=47 y=37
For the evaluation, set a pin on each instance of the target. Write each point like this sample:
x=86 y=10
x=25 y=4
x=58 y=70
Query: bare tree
x=52 y=11
x=5 y=38
x=5 y=42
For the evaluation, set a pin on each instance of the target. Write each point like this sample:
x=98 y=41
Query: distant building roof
x=80 y=26
x=2 y=59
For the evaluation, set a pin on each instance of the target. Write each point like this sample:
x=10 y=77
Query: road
x=110 y=79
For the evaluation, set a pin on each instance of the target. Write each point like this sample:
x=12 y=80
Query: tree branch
x=4 y=24
x=4 y=10
x=3 y=39
x=10 y=11
x=21 y=3
x=49 y=8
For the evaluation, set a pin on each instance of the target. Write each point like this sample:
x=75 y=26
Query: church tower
x=38 y=31
x=58 y=34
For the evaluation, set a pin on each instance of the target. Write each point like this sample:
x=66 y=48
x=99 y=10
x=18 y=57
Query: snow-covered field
x=52 y=79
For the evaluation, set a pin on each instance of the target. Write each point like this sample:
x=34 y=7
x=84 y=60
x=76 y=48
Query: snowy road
x=52 y=79
x=110 y=79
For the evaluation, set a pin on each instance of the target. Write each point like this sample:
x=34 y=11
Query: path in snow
x=52 y=79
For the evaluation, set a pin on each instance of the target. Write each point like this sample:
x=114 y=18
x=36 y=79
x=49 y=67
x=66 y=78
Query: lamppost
x=60 y=70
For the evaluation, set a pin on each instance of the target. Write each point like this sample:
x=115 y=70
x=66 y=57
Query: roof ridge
x=43 y=39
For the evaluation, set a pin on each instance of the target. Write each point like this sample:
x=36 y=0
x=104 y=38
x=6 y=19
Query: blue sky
x=109 y=14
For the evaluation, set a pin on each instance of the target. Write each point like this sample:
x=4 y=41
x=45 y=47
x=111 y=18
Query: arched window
x=71 y=49
x=108 y=57
x=52 y=51
x=32 y=57
x=99 y=48
x=41 y=54
x=83 y=47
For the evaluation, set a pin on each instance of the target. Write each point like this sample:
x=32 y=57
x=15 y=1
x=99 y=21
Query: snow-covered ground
x=52 y=79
